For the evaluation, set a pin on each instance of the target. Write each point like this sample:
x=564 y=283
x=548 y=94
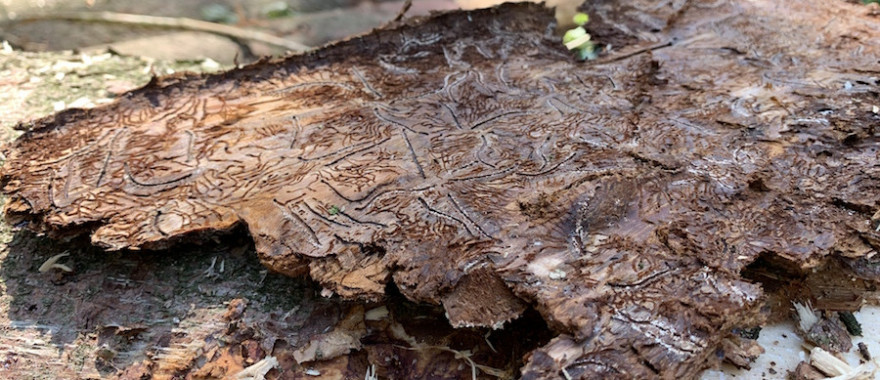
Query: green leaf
x=583 y=18
x=573 y=34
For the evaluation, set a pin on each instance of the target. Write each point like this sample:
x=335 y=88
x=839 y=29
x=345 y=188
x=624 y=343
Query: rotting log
x=468 y=158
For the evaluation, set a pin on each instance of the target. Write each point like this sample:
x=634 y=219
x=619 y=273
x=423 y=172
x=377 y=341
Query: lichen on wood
x=471 y=160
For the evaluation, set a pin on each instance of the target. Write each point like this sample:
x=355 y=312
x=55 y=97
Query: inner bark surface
x=471 y=160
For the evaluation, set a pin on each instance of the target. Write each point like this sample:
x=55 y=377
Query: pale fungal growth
x=546 y=267
x=52 y=263
x=210 y=272
x=290 y=312
x=488 y=343
x=565 y=373
x=371 y=373
x=313 y=372
x=465 y=355
x=258 y=370
x=557 y=274
x=806 y=316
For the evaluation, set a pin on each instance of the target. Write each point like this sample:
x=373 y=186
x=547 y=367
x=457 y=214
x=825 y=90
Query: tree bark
x=472 y=161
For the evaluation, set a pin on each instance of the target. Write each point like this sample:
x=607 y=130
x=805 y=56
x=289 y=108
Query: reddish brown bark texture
x=472 y=161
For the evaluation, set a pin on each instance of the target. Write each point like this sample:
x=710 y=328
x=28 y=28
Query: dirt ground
x=310 y=22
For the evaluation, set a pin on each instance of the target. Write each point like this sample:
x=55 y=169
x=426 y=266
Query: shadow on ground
x=122 y=307
x=209 y=311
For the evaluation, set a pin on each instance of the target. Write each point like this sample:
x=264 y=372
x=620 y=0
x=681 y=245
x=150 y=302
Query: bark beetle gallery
x=468 y=158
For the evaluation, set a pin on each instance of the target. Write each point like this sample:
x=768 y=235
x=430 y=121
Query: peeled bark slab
x=472 y=160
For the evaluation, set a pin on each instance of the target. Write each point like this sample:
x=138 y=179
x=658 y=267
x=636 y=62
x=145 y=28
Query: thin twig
x=400 y=15
x=170 y=22
x=650 y=48
x=405 y=8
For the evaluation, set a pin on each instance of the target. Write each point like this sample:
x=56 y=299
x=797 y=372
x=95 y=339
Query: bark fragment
x=830 y=336
x=468 y=158
x=804 y=371
x=741 y=352
x=863 y=350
